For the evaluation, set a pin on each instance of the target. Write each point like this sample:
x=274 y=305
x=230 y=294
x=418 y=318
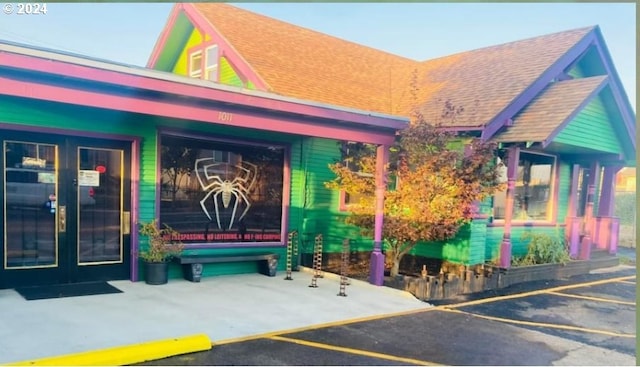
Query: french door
x=66 y=209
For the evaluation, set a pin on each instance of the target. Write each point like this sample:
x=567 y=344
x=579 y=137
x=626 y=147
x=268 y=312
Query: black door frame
x=67 y=268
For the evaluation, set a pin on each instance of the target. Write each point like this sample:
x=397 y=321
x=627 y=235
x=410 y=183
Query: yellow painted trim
x=360 y=352
x=540 y=324
x=541 y=291
x=126 y=355
x=598 y=299
x=319 y=326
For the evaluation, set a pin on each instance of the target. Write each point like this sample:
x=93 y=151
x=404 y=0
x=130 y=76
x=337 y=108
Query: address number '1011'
x=225 y=116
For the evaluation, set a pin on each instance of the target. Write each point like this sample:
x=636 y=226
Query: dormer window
x=211 y=64
x=195 y=64
x=204 y=69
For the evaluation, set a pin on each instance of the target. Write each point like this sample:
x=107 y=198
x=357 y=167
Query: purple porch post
x=376 y=275
x=513 y=156
x=613 y=239
x=607 y=226
x=587 y=241
x=572 y=228
x=608 y=191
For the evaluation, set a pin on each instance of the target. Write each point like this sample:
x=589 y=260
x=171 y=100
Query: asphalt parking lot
x=586 y=320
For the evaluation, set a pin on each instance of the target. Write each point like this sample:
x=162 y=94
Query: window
x=207 y=68
x=351 y=152
x=211 y=64
x=533 y=190
x=195 y=64
x=221 y=192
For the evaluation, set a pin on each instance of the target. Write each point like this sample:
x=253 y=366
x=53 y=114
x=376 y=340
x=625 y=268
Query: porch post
x=607 y=192
x=605 y=221
x=376 y=275
x=513 y=156
x=572 y=223
x=585 y=245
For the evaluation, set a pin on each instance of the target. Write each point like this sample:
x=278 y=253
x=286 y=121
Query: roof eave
x=93 y=70
x=621 y=98
x=537 y=86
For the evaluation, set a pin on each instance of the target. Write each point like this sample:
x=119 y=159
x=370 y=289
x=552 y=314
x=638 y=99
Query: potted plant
x=162 y=247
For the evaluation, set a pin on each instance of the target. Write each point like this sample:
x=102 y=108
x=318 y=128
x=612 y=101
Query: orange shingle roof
x=306 y=64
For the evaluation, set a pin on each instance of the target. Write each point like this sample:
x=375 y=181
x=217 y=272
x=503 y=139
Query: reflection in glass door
x=99 y=197
x=31 y=187
x=64 y=209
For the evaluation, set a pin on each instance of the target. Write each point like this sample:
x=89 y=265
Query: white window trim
x=193 y=72
x=211 y=67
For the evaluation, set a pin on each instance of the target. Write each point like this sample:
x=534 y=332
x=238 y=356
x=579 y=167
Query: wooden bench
x=192 y=264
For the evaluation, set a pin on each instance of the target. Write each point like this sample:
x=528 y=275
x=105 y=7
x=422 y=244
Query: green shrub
x=542 y=249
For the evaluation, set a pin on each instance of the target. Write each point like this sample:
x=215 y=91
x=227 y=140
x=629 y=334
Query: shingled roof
x=487 y=80
x=301 y=63
x=306 y=64
x=551 y=110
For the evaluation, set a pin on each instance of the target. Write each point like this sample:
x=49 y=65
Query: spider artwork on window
x=228 y=186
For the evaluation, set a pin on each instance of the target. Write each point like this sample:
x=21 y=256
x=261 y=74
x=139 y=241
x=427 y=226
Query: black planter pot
x=156 y=273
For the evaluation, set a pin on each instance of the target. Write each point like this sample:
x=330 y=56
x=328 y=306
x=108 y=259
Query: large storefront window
x=533 y=191
x=220 y=192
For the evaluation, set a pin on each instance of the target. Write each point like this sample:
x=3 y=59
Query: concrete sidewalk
x=221 y=307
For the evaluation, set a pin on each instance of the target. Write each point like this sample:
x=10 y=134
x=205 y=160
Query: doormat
x=66 y=290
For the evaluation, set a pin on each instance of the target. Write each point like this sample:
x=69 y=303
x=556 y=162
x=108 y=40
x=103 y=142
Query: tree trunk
x=395 y=268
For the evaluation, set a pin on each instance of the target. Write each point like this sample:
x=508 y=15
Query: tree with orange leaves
x=439 y=178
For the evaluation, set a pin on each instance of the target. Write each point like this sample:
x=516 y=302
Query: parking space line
x=322 y=326
x=361 y=352
x=538 y=292
x=546 y=325
x=589 y=298
x=627 y=282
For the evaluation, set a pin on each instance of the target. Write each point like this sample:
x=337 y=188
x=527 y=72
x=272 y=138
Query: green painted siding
x=182 y=65
x=577 y=72
x=321 y=214
x=178 y=35
x=228 y=75
x=593 y=121
x=456 y=250
x=564 y=190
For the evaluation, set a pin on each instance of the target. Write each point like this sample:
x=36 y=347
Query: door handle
x=126 y=222
x=62 y=218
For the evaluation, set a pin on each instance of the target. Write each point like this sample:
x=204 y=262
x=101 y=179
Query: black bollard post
x=290 y=238
x=344 y=267
x=296 y=241
x=317 y=261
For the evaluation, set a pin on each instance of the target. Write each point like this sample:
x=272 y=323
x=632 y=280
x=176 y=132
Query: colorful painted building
x=227 y=135
x=91 y=148
x=554 y=104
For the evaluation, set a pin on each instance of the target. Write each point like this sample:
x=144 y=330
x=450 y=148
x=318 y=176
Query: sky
x=127 y=32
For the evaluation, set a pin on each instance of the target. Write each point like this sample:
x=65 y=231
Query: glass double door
x=66 y=209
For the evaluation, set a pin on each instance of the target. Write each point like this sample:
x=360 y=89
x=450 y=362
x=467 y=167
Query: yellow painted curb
x=130 y=354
